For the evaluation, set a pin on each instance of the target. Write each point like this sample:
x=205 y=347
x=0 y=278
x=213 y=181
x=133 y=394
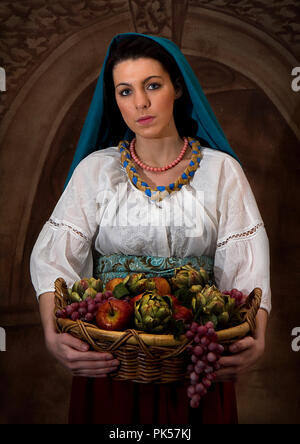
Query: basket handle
x=252 y=305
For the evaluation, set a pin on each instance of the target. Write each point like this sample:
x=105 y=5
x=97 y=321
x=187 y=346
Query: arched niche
x=248 y=50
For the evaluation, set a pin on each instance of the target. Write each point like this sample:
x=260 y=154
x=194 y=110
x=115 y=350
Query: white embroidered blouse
x=215 y=215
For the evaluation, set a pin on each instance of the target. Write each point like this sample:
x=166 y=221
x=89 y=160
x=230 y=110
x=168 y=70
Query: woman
x=165 y=155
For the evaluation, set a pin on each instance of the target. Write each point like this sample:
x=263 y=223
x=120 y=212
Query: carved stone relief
x=152 y=17
x=279 y=18
x=30 y=31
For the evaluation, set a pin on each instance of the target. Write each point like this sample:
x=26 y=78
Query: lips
x=145 y=119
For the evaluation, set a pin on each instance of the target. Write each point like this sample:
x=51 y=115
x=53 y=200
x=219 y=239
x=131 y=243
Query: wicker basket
x=147 y=358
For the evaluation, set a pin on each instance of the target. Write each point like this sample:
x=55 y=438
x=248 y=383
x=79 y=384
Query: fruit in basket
x=83 y=288
x=135 y=298
x=114 y=314
x=137 y=283
x=153 y=312
x=96 y=284
x=175 y=300
x=204 y=353
x=239 y=297
x=161 y=285
x=84 y=310
x=73 y=296
x=187 y=276
x=180 y=312
x=196 y=288
x=212 y=305
x=80 y=286
x=89 y=293
x=111 y=284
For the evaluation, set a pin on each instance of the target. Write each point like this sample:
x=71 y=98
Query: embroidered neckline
x=159 y=192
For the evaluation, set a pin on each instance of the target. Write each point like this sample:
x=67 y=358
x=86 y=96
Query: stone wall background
x=242 y=52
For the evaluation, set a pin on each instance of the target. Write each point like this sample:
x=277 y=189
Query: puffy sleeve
x=242 y=255
x=63 y=247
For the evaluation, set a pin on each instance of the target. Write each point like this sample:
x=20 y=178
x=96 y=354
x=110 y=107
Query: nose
x=141 y=100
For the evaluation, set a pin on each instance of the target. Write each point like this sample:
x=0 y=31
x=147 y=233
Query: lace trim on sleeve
x=74 y=230
x=243 y=235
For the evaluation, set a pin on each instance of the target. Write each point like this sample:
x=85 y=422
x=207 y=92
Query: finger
x=73 y=342
x=227 y=374
x=94 y=365
x=77 y=356
x=241 y=345
x=229 y=361
x=92 y=372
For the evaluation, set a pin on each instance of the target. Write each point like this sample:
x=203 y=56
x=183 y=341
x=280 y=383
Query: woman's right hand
x=75 y=355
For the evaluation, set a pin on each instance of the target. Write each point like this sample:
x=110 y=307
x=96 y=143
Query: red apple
x=114 y=314
x=174 y=300
x=135 y=298
x=181 y=312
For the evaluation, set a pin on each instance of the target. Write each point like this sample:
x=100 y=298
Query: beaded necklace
x=159 y=192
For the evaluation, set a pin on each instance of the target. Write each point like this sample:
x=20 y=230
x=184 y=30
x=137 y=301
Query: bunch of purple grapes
x=239 y=297
x=85 y=310
x=205 y=353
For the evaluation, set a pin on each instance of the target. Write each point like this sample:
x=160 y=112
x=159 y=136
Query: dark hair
x=136 y=47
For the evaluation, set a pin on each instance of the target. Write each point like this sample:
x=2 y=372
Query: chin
x=152 y=133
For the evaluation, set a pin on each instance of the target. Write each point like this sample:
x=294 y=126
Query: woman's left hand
x=245 y=352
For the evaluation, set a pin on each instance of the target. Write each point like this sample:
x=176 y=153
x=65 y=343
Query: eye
x=154 y=85
x=125 y=92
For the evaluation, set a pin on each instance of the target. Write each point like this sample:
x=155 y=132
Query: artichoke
x=187 y=276
x=211 y=305
x=153 y=312
x=137 y=283
x=196 y=288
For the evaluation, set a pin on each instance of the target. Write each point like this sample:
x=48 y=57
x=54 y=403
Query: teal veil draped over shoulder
x=92 y=139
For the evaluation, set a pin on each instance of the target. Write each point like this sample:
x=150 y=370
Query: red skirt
x=107 y=401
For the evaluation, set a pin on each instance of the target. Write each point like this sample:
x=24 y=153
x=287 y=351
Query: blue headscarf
x=200 y=110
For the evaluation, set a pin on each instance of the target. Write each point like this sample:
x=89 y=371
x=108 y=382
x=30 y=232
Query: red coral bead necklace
x=157 y=169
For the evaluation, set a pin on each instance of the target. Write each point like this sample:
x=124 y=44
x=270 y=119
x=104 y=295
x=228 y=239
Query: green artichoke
x=187 y=276
x=196 y=288
x=137 y=283
x=211 y=305
x=153 y=312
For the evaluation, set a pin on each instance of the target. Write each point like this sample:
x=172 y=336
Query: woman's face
x=145 y=96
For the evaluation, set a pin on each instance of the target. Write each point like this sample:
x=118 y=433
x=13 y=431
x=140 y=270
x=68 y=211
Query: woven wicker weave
x=147 y=357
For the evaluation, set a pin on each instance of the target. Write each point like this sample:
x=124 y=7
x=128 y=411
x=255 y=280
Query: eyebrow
x=144 y=81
